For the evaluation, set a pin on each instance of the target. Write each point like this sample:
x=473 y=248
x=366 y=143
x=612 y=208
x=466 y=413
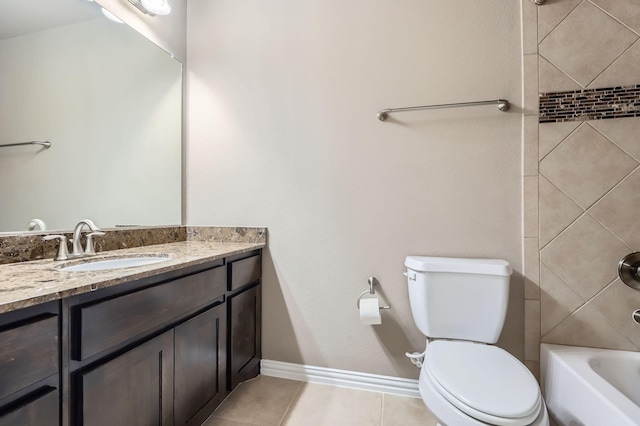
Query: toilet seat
x=483 y=381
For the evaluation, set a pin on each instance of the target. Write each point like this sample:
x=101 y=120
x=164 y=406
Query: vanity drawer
x=42 y=409
x=245 y=271
x=104 y=324
x=28 y=353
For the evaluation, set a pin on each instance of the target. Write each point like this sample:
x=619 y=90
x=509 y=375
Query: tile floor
x=270 y=401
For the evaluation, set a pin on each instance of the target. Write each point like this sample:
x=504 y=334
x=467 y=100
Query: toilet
x=461 y=305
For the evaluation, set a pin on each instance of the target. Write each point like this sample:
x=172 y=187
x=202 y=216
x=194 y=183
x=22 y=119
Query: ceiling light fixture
x=152 y=7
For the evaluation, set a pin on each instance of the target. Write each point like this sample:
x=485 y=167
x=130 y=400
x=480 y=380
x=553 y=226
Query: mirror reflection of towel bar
x=45 y=144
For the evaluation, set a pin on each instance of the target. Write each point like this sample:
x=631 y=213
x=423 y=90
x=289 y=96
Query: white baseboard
x=344 y=378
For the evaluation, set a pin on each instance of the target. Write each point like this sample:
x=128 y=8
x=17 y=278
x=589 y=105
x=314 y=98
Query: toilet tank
x=454 y=298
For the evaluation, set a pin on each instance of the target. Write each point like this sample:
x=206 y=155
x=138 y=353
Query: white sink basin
x=112 y=263
x=587 y=386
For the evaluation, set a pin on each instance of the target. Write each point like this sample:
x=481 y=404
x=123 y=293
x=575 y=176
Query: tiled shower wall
x=581 y=177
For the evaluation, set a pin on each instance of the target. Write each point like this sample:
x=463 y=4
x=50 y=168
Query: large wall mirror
x=110 y=103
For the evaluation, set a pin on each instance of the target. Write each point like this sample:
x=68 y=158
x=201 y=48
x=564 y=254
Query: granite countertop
x=26 y=284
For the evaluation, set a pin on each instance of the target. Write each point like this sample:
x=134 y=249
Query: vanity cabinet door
x=135 y=388
x=200 y=366
x=245 y=335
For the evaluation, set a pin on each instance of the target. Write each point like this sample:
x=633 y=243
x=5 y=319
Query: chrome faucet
x=63 y=253
x=77 y=234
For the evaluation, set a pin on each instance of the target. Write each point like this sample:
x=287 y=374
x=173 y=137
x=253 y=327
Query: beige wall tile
x=551 y=134
x=262 y=401
x=627 y=11
x=403 y=411
x=553 y=80
x=530 y=145
x=331 y=405
x=618 y=210
x=585 y=256
x=621 y=131
x=532 y=330
x=531 y=269
x=578 y=50
x=531 y=97
x=586 y=165
x=557 y=300
x=587 y=327
x=623 y=72
x=617 y=302
x=552 y=14
x=529 y=27
x=556 y=211
x=530 y=206
x=512 y=337
x=534 y=367
x=563 y=313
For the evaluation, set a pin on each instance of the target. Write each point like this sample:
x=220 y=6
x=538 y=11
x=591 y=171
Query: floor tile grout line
x=382 y=394
x=295 y=395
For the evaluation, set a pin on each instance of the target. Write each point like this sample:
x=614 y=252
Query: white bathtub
x=587 y=386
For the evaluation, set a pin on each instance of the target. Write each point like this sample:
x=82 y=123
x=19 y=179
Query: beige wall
x=282 y=132
x=581 y=178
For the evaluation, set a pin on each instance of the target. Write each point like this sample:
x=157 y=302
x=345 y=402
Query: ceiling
x=20 y=17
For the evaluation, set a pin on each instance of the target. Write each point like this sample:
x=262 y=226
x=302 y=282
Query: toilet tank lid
x=460 y=265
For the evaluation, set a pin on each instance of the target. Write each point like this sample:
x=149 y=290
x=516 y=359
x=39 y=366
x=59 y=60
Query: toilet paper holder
x=372 y=282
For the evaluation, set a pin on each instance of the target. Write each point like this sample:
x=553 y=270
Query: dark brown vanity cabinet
x=161 y=350
x=174 y=378
x=29 y=366
x=244 y=306
x=150 y=354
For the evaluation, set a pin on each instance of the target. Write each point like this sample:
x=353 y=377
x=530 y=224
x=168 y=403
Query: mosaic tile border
x=590 y=104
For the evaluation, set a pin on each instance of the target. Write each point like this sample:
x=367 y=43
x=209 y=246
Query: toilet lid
x=483 y=380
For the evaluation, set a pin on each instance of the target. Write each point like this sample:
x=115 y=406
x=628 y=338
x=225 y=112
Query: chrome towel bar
x=45 y=144
x=503 y=105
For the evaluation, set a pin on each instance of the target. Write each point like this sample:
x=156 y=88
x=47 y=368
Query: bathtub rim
x=575 y=360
